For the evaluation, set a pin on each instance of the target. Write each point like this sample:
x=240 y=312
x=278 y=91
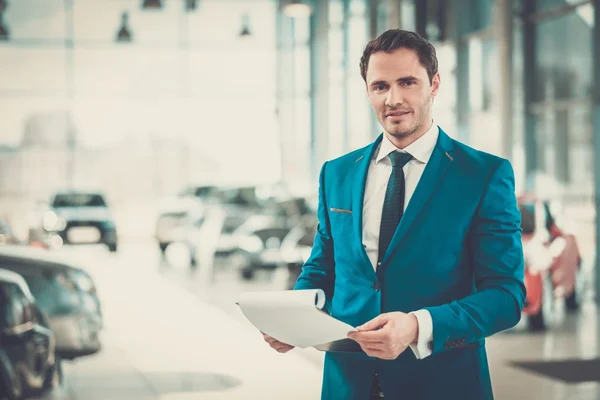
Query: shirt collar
x=421 y=149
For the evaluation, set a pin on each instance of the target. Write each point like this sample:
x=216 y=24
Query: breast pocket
x=340 y=214
x=341 y=227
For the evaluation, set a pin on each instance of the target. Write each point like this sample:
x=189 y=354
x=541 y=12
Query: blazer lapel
x=359 y=181
x=435 y=170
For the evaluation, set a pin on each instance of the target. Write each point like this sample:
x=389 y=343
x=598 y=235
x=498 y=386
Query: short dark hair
x=394 y=39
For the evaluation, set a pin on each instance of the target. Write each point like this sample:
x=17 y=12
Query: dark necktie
x=393 y=205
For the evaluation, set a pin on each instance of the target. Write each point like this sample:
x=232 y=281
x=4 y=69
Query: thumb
x=374 y=324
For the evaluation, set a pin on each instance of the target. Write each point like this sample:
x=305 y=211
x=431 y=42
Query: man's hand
x=387 y=335
x=276 y=344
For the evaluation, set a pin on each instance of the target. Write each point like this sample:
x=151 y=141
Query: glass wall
x=360 y=129
x=183 y=90
x=562 y=99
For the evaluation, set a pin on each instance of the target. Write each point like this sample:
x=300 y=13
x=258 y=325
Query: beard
x=409 y=127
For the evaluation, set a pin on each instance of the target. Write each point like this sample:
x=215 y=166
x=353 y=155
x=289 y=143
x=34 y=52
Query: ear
x=435 y=84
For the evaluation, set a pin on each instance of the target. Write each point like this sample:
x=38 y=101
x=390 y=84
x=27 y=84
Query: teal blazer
x=457 y=253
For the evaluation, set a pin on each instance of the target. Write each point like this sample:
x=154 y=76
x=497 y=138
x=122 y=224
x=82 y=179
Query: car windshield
x=78 y=200
x=245 y=196
x=55 y=293
x=83 y=281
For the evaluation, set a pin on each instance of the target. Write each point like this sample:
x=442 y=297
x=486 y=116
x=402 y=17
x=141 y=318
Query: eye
x=409 y=83
x=379 y=87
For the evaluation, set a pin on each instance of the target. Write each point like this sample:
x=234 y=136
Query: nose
x=394 y=97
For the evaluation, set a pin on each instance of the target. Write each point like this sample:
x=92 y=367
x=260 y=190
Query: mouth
x=397 y=114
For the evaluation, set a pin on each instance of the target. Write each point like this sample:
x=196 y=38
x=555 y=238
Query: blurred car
x=552 y=263
x=238 y=204
x=181 y=218
x=66 y=294
x=80 y=217
x=183 y=221
x=297 y=245
x=258 y=240
x=6 y=233
x=175 y=220
x=28 y=363
x=200 y=192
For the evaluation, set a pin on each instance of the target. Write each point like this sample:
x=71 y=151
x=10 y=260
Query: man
x=418 y=244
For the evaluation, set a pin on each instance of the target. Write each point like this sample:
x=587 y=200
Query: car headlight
x=251 y=244
x=53 y=222
x=90 y=305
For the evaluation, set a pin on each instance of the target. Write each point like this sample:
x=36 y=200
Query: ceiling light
x=297 y=9
x=152 y=5
x=124 y=35
x=245 y=32
x=191 y=5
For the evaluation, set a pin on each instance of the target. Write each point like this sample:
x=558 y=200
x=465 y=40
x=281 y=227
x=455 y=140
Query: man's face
x=400 y=93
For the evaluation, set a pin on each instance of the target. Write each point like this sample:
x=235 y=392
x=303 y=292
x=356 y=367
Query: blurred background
x=159 y=157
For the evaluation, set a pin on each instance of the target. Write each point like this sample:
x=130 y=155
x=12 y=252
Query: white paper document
x=294 y=317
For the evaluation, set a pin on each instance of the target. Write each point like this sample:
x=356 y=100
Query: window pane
x=543 y=5
x=302 y=69
x=139 y=72
x=565 y=151
x=99 y=21
x=36 y=19
x=565 y=61
x=203 y=31
x=480 y=14
x=216 y=73
x=33 y=70
x=336 y=12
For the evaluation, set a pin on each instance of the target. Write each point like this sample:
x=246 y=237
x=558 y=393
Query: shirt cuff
x=422 y=348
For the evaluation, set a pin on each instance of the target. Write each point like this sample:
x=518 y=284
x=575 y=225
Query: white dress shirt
x=378 y=176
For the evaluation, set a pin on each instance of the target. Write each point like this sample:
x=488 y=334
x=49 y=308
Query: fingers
x=373 y=324
x=375 y=336
x=276 y=344
x=373 y=351
x=283 y=348
x=369 y=337
x=381 y=352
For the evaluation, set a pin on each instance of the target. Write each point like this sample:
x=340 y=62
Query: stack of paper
x=296 y=317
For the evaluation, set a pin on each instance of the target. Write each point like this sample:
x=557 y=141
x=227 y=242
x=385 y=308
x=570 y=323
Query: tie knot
x=400 y=159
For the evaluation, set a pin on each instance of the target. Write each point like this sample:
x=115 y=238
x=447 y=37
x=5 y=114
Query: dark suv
x=28 y=363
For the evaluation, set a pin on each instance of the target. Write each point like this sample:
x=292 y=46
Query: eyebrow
x=400 y=80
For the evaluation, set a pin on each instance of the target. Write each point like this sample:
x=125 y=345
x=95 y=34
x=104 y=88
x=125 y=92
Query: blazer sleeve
x=496 y=254
x=319 y=270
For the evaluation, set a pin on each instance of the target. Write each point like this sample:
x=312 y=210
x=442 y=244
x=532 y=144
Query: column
x=463 y=21
x=503 y=21
x=529 y=79
x=376 y=128
x=319 y=85
x=348 y=70
x=394 y=17
x=596 y=138
x=285 y=96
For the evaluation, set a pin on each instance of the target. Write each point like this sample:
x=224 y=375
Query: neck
x=405 y=141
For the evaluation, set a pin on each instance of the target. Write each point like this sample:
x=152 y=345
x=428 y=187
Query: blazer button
x=376 y=286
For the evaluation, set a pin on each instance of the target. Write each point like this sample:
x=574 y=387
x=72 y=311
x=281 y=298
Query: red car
x=552 y=262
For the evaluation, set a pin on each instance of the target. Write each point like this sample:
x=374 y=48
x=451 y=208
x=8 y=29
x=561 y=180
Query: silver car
x=65 y=293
